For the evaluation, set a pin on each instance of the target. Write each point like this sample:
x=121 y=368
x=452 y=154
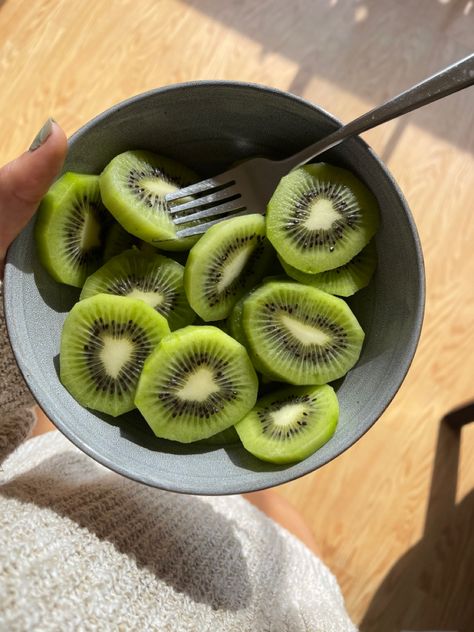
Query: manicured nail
x=43 y=134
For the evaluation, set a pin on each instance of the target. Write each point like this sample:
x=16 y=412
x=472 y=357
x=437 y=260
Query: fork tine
x=221 y=195
x=197 y=187
x=226 y=207
x=201 y=228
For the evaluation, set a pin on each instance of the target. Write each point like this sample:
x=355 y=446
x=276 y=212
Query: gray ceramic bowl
x=208 y=125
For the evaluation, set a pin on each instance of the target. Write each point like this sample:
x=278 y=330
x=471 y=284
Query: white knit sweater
x=82 y=548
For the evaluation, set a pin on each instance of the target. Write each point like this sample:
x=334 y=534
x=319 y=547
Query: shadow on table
x=372 y=48
x=430 y=587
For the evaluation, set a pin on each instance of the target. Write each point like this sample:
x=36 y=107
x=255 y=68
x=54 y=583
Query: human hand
x=24 y=181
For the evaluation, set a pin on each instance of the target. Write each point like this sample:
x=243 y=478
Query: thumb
x=24 y=181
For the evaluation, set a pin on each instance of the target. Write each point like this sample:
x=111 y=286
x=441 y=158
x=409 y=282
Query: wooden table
x=394 y=516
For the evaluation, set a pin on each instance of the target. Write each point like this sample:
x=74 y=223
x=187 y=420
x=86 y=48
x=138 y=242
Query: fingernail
x=43 y=134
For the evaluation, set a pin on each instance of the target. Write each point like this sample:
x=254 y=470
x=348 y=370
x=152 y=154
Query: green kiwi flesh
x=104 y=343
x=290 y=425
x=133 y=187
x=117 y=240
x=198 y=382
x=226 y=263
x=301 y=334
x=70 y=228
x=320 y=217
x=151 y=277
x=343 y=281
x=236 y=330
x=234 y=322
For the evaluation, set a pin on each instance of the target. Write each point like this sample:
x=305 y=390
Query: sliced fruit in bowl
x=320 y=217
x=104 y=343
x=70 y=228
x=198 y=382
x=133 y=187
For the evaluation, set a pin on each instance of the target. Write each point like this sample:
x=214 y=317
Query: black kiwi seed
x=342 y=200
x=313 y=345
x=73 y=230
x=131 y=369
x=301 y=230
x=199 y=381
x=288 y=426
x=151 y=199
x=294 y=346
x=226 y=263
x=124 y=286
x=280 y=433
x=212 y=295
x=152 y=277
x=185 y=367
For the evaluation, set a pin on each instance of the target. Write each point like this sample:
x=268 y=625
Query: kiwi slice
x=150 y=277
x=198 y=382
x=343 y=281
x=320 y=217
x=301 y=334
x=104 y=342
x=225 y=264
x=133 y=187
x=236 y=330
x=290 y=425
x=234 y=322
x=71 y=227
x=117 y=240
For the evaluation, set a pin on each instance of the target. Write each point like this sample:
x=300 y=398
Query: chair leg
x=459 y=417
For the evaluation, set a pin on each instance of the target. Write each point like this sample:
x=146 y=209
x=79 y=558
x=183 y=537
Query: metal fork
x=248 y=187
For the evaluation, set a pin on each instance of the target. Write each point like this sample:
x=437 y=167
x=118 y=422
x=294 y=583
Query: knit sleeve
x=16 y=401
x=82 y=548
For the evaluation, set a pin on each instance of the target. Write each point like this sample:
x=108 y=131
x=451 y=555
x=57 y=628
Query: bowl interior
x=209 y=125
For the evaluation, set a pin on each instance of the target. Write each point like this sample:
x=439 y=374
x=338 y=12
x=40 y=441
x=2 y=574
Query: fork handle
x=453 y=78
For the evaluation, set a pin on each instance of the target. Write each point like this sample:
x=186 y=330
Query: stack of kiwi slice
x=231 y=336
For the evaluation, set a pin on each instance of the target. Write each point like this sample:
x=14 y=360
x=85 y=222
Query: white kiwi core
x=152 y=298
x=234 y=267
x=199 y=385
x=306 y=334
x=288 y=414
x=322 y=215
x=115 y=353
x=157 y=186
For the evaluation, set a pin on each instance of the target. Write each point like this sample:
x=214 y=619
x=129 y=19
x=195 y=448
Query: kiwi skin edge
x=343 y=281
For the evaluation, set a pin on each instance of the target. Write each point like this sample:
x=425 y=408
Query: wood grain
x=367 y=509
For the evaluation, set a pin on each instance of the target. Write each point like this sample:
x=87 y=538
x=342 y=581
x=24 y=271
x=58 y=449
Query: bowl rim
x=410 y=351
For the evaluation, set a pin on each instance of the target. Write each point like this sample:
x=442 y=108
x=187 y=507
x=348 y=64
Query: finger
x=24 y=181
